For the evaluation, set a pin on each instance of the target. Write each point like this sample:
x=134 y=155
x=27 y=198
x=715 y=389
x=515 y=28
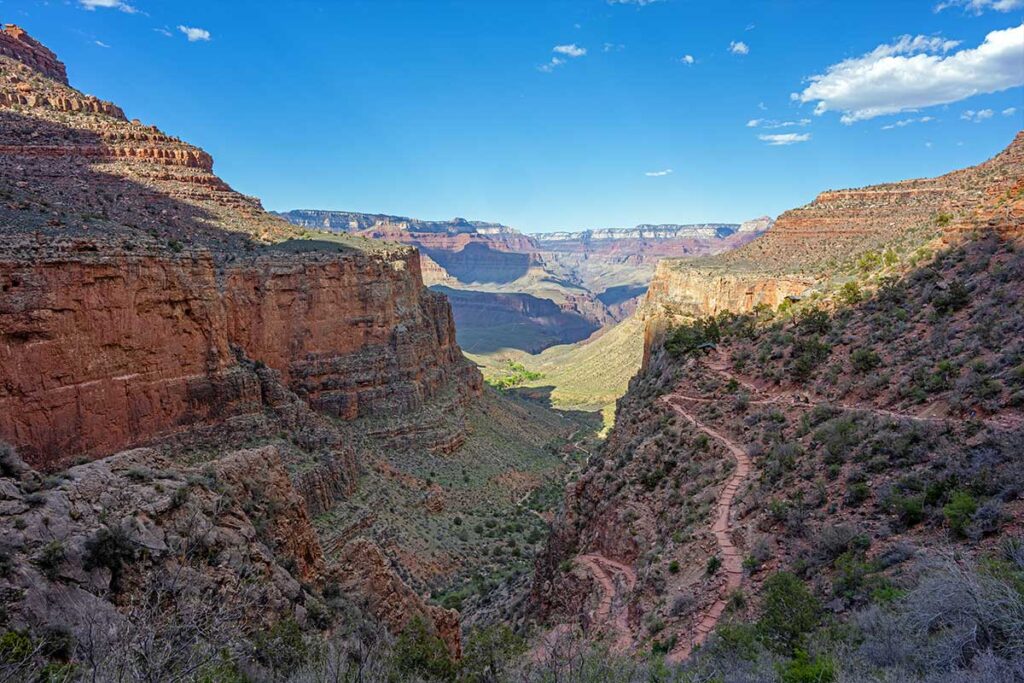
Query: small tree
x=788 y=614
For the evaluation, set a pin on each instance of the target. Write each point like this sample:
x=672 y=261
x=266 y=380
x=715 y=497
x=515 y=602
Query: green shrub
x=953 y=299
x=689 y=337
x=803 y=669
x=50 y=558
x=850 y=293
x=959 y=510
x=110 y=548
x=714 y=563
x=673 y=567
x=419 y=652
x=864 y=360
x=282 y=647
x=789 y=612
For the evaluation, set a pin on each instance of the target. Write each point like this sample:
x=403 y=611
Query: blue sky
x=554 y=115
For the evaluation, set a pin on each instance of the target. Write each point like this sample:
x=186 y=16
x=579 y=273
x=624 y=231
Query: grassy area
x=587 y=376
x=461 y=522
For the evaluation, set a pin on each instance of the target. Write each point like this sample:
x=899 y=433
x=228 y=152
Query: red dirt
x=732 y=562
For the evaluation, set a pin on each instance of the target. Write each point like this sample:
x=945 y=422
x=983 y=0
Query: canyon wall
x=124 y=313
x=806 y=245
x=143 y=301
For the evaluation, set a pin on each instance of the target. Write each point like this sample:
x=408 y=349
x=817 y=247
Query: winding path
x=732 y=562
x=616 y=581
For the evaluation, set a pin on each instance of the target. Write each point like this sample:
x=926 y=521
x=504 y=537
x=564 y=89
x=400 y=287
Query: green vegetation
x=513 y=375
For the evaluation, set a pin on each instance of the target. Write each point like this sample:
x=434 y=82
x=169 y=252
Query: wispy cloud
x=100 y=43
x=108 y=4
x=638 y=3
x=164 y=32
x=195 y=34
x=613 y=47
x=772 y=123
x=738 y=47
x=916 y=72
x=1009 y=111
x=977 y=116
x=779 y=139
x=570 y=50
x=658 y=174
x=979 y=6
x=688 y=60
x=907 y=122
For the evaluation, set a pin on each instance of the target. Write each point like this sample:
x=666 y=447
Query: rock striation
x=145 y=303
x=131 y=275
x=805 y=244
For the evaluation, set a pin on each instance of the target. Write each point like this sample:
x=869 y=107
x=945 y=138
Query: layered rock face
x=804 y=244
x=145 y=302
x=131 y=276
x=596 y=277
x=17 y=44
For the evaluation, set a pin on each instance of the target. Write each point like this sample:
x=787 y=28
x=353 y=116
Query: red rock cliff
x=133 y=279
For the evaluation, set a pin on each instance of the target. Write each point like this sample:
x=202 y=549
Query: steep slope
x=143 y=302
x=826 y=239
x=836 y=439
x=595 y=275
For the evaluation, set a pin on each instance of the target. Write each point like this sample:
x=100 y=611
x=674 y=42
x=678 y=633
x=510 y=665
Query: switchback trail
x=616 y=581
x=802 y=399
x=732 y=563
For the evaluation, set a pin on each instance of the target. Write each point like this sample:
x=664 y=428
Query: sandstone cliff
x=813 y=243
x=145 y=302
x=831 y=444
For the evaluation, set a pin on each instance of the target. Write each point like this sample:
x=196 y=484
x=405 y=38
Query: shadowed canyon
x=311 y=445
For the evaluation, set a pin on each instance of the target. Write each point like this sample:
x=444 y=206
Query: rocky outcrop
x=145 y=302
x=122 y=313
x=17 y=44
x=177 y=533
x=805 y=244
x=363 y=569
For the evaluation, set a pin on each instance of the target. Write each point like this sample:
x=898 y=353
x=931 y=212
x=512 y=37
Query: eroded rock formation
x=145 y=302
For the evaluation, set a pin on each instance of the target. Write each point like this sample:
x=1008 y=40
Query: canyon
x=203 y=402
x=507 y=281
x=245 y=446
x=783 y=415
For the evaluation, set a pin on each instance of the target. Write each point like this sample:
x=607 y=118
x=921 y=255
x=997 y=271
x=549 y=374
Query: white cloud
x=658 y=174
x=194 y=34
x=164 y=32
x=570 y=50
x=771 y=123
x=688 y=60
x=92 y=5
x=100 y=43
x=750 y=27
x=638 y=3
x=977 y=116
x=979 y=6
x=552 y=65
x=784 y=138
x=916 y=72
x=762 y=106
x=1009 y=111
x=906 y=122
x=613 y=47
x=738 y=47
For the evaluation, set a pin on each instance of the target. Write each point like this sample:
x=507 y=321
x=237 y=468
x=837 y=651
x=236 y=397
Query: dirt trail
x=616 y=581
x=806 y=400
x=732 y=562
